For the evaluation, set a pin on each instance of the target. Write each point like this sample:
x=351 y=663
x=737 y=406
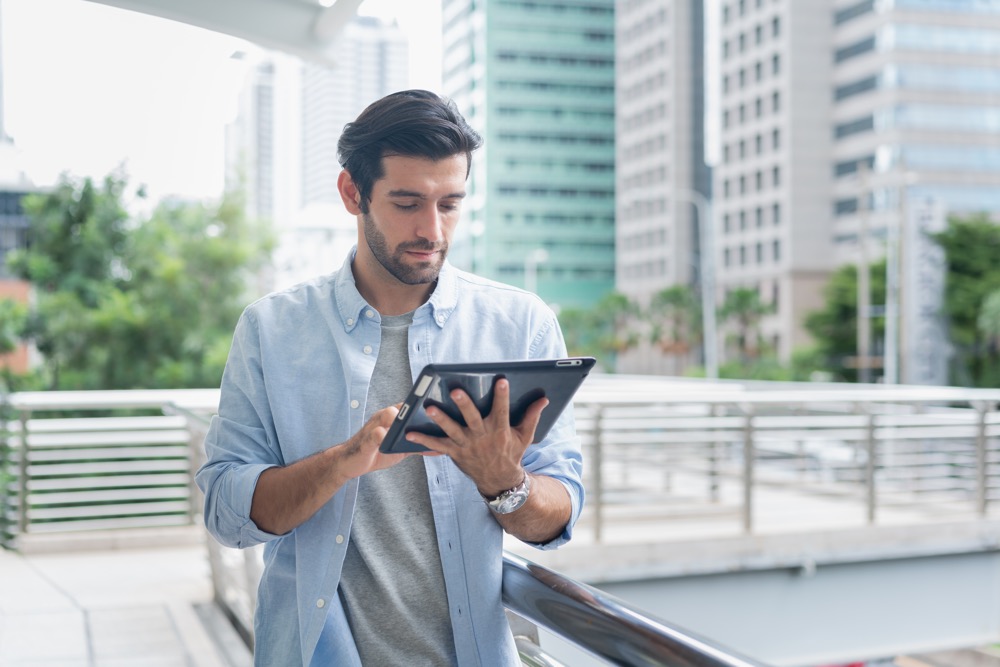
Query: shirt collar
x=351 y=305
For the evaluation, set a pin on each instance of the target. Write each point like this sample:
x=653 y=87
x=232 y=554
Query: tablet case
x=555 y=379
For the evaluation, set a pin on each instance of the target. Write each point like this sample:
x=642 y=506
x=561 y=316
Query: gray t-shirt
x=392 y=585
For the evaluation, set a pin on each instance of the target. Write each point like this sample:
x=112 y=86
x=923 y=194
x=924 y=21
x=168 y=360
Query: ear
x=349 y=193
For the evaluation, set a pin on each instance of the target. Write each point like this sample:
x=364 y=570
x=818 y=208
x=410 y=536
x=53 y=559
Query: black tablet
x=555 y=379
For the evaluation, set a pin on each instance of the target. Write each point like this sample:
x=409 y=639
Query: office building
x=662 y=181
x=772 y=183
x=536 y=79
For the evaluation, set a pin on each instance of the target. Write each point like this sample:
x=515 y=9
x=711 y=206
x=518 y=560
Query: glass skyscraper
x=536 y=79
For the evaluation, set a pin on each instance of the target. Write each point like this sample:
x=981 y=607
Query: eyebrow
x=420 y=195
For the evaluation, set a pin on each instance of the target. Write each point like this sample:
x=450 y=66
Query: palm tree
x=675 y=316
x=744 y=307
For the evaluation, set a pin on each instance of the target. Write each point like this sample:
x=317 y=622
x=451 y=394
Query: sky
x=90 y=88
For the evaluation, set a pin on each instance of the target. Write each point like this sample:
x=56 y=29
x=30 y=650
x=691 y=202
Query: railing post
x=22 y=476
x=982 y=478
x=748 y=468
x=871 y=450
x=598 y=491
x=713 y=461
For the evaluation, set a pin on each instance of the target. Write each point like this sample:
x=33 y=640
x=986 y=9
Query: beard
x=394 y=261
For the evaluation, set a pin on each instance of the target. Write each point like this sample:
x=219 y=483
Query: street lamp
x=706 y=269
x=531 y=262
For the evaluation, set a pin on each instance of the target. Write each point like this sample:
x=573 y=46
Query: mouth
x=422 y=255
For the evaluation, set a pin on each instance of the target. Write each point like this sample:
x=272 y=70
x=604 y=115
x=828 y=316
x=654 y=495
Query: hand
x=361 y=453
x=488 y=449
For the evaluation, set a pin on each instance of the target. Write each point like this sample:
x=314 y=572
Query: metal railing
x=663 y=452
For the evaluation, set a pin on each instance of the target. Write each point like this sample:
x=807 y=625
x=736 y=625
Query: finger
x=526 y=429
x=501 y=404
x=437 y=446
x=450 y=427
x=470 y=413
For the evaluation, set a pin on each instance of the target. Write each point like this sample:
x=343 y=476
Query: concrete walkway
x=142 y=606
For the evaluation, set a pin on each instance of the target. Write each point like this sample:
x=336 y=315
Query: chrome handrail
x=604 y=625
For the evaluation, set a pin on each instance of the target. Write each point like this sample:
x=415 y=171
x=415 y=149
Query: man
x=371 y=558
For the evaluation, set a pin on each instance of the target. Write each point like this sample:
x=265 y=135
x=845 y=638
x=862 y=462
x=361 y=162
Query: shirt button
x=320 y=603
x=369 y=313
x=355 y=404
x=440 y=319
x=368 y=349
x=340 y=539
x=350 y=321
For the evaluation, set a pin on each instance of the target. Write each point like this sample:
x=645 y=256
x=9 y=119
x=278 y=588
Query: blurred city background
x=774 y=222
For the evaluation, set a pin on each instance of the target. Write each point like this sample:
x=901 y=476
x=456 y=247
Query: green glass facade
x=537 y=80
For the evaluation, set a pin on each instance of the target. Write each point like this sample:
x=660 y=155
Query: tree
x=835 y=326
x=129 y=303
x=972 y=246
x=675 y=317
x=744 y=307
x=604 y=331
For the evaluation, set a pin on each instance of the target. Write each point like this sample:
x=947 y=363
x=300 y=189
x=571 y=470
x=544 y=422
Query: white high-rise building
x=283 y=143
x=772 y=183
x=660 y=161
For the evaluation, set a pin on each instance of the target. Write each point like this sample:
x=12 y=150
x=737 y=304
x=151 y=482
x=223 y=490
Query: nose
x=430 y=225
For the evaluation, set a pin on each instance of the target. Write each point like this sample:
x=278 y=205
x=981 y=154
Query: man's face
x=412 y=215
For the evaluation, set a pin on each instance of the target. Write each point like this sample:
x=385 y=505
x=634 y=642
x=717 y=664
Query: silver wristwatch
x=512 y=499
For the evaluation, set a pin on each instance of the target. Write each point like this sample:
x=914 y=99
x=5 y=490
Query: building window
x=758 y=107
x=742 y=39
x=743 y=149
x=725 y=153
x=743 y=113
x=759 y=252
x=743 y=185
x=776 y=250
x=725 y=49
x=725 y=83
x=725 y=223
x=758 y=144
x=758 y=216
x=864 y=124
x=743 y=255
x=743 y=78
x=758 y=34
x=855 y=87
x=743 y=220
x=775 y=101
x=776 y=176
x=776 y=214
x=725 y=14
x=727 y=257
x=725 y=188
x=776 y=139
x=775 y=63
x=743 y=7
x=775 y=26
x=759 y=178
x=853 y=11
x=725 y=118
x=758 y=71
x=865 y=45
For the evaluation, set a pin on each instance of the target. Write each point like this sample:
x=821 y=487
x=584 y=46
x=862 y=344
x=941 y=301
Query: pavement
x=131 y=606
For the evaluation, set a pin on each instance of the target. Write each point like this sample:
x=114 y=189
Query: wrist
x=494 y=490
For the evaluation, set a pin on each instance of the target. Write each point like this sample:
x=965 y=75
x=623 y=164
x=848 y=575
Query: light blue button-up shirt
x=296 y=383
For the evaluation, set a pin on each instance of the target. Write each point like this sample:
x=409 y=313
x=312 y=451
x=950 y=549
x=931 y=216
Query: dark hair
x=411 y=123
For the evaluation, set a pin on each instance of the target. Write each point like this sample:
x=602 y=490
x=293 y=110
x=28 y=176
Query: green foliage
x=972 y=246
x=675 y=317
x=744 y=308
x=604 y=331
x=835 y=326
x=128 y=303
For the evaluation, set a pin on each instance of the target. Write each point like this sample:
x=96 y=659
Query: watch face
x=511 y=502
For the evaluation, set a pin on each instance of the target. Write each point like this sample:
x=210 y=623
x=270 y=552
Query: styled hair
x=410 y=123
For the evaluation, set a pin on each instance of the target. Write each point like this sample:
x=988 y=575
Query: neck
x=385 y=293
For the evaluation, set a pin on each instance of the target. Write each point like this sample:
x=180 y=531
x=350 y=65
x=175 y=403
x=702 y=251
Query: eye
x=406 y=207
